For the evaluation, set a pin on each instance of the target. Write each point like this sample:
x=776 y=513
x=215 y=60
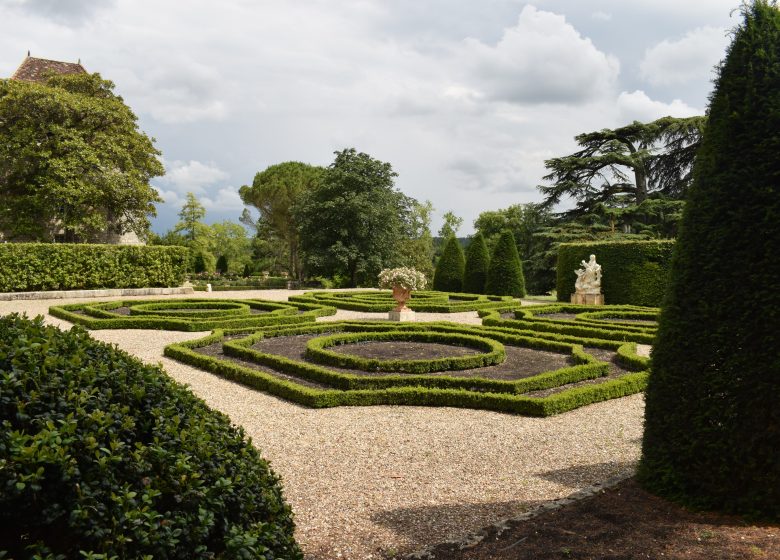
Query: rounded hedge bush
x=505 y=274
x=448 y=276
x=712 y=422
x=101 y=454
x=477 y=264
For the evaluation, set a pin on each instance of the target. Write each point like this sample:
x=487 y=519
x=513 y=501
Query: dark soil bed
x=649 y=322
x=559 y=316
x=624 y=523
x=126 y=311
x=520 y=362
x=215 y=350
x=615 y=371
x=403 y=350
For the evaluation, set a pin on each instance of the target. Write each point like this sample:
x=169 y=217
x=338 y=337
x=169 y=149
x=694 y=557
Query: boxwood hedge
x=102 y=456
x=338 y=388
x=634 y=272
x=188 y=314
x=378 y=301
x=26 y=267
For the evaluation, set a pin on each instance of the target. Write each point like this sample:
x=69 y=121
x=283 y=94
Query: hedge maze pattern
x=532 y=360
x=188 y=314
x=319 y=365
x=378 y=301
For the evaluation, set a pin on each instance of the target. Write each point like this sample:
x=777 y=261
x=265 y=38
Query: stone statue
x=588 y=277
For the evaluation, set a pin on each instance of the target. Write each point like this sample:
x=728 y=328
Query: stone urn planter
x=402 y=281
x=401 y=295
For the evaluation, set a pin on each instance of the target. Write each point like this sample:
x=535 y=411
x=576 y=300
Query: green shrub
x=448 y=276
x=505 y=275
x=222 y=264
x=477 y=264
x=712 y=422
x=247 y=271
x=104 y=455
x=634 y=272
x=58 y=266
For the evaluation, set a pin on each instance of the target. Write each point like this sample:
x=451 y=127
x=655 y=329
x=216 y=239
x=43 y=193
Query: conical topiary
x=448 y=276
x=712 y=419
x=505 y=274
x=222 y=264
x=199 y=263
x=247 y=271
x=477 y=263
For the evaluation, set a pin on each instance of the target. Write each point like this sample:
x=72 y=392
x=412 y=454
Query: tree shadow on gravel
x=591 y=474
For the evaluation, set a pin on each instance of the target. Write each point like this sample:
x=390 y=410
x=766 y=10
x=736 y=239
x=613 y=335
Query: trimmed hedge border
x=345 y=389
x=635 y=272
x=378 y=301
x=492 y=352
x=528 y=319
x=194 y=310
x=31 y=267
x=98 y=315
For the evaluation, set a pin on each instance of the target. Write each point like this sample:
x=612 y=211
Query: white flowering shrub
x=407 y=278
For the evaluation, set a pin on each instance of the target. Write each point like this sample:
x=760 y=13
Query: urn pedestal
x=587 y=299
x=401 y=312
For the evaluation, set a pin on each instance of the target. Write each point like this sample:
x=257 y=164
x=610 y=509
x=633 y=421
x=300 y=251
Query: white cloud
x=542 y=59
x=466 y=100
x=191 y=176
x=638 y=106
x=680 y=61
x=225 y=199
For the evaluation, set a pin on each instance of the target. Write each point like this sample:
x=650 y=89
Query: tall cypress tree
x=448 y=276
x=477 y=263
x=712 y=427
x=505 y=275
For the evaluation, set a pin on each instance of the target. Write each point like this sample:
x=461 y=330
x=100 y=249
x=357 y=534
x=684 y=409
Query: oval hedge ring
x=491 y=352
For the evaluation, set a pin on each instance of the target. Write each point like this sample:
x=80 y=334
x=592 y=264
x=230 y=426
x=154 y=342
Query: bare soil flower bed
x=520 y=362
x=622 y=523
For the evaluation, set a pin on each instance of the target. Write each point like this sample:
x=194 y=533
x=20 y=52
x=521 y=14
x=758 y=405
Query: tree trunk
x=641 y=183
x=353 y=274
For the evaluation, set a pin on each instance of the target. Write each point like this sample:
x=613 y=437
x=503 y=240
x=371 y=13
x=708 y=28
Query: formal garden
x=544 y=393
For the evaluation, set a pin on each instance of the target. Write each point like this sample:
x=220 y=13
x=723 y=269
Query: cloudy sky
x=465 y=99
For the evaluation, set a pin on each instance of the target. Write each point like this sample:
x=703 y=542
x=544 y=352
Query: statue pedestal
x=403 y=315
x=588 y=299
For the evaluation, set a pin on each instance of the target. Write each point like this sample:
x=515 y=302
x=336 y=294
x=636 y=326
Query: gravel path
x=366 y=482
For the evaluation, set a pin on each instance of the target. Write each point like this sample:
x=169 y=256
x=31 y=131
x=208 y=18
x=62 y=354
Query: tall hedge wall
x=634 y=272
x=28 y=267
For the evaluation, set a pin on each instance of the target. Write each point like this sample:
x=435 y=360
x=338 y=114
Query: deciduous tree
x=72 y=160
x=351 y=223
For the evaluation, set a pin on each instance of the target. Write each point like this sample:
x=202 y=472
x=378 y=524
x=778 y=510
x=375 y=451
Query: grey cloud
x=66 y=12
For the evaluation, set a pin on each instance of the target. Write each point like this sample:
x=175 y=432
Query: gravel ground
x=367 y=482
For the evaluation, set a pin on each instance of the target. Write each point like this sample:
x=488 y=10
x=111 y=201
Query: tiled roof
x=36 y=69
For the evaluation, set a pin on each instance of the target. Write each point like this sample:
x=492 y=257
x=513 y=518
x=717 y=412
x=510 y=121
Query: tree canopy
x=712 y=420
x=274 y=192
x=525 y=221
x=351 y=223
x=72 y=161
x=621 y=167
